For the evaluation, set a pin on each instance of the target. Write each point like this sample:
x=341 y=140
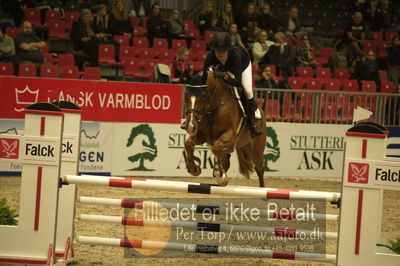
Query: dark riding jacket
x=238 y=60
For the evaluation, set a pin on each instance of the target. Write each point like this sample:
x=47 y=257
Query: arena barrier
x=357 y=239
x=40 y=151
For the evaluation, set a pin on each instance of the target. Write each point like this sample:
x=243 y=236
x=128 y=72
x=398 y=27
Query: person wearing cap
x=236 y=60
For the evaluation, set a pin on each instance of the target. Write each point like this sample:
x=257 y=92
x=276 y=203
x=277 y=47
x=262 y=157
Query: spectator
x=251 y=36
x=280 y=54
x=383 y=19
x=180 y=67
x=367 y=8
x=261 y=47
x=267 y=20
x=207 y=18
x=235 y=37
x=119 y=22
x=367 y=69
x=249 y=20
x=84 y=38
x=226 y=18
x=156 y=26
x=265 y=78
x=394 y=60
x=304 y=53
x=7 y=49
x=354 y=34
x=290 y=25
x=138 y=4
x=28 y=45
x=100 y=21
x=128 y=5
x=176 y=29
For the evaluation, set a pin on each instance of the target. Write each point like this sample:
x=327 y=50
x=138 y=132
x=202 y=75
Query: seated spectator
x=290 y=24
x=267 y=20
x=180 y=70
x=249 y=20
x=383 y=18
x=207 y=18
x=251 y=36
x=128 y=5
x=235 y=37
x=7 y=49
x=265 y=78
x=226 y=18
x=367 y=69
x=354 y=34
x=394 y=60
x=176 y=29
x=119 y=22
x=156 y=25
x=28 y=46
x=261 y=47
x=84 y=38
x=304 y=53
x=100 y=21
x=281 y=55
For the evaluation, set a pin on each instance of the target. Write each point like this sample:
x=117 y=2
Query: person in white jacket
x=261 y=46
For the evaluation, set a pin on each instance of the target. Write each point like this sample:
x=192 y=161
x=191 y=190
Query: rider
x=236 y=60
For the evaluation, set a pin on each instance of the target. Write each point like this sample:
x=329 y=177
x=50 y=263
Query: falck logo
x=9 y=148
x=25 y=97
x=358 y=173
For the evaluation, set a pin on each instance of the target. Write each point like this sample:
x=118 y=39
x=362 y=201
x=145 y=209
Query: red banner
x=99 y=100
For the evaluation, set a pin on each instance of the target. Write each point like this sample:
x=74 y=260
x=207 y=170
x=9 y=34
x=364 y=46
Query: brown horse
x=214 y=116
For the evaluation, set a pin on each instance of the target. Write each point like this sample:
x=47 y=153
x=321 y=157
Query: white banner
x=12 y=127
x=304 y=150
x=157 y=150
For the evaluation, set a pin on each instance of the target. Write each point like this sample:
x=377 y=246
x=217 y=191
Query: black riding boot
x=251 y=108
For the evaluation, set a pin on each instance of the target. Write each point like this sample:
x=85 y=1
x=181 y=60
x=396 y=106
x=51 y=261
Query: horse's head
x=196 y=98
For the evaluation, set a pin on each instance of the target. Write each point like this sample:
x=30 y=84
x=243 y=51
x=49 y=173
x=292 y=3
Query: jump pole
x=141 y=204
x=202 y=226
x=187 y=187
x=205 y=249
x=33 y=240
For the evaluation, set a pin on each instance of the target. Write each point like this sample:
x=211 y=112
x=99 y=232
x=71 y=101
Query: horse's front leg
x=190 y=143
x=221 y=149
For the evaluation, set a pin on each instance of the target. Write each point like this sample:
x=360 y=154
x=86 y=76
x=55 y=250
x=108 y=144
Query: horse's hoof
x=216 y=173
x=196 y=171
x=223 y=181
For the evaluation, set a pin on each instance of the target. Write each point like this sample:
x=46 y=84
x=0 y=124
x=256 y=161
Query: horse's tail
x=246 y=165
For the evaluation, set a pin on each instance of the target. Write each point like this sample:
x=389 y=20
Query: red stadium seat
x=305 y=72
x=350 y=85
x=342 y=74
x=209 y=35
x=49 y=59
x=383 y=75
x=388 y=87
x=33 y=16
x=70 y=72
x=70 y=17
x=296 y=83
x=201 y=56
x=176 y=44
x=143 y=71
x=65 y=60
x=314 y=84
x=51 y=15
x=324 y=73
x=377 y=35
x=135 y=21
x=106 y=54
x=160 y=43
x=57 y=30
x=6 y=69
x=139 y=31
x=198 y=45
x=332 y=84
x=122 y=40
x=12 y=32
x=195 y=34
x=167 y=54
x=92 y=73
x=389 y=36
x=188 y=23
x=145 y=53
x=48 y=71
x=130 y=66
x=140 y=42
x=368 y=86
x=126 y=52
x=27 y=70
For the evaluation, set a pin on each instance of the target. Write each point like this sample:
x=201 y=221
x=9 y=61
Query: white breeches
x=247 y=81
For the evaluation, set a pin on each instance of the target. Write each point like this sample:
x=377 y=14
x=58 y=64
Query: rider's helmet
x=221 y=42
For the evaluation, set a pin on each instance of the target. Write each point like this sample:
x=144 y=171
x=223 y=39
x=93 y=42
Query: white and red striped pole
x=202 y=226
x=186 y=187
x=205 y=249
x=218 y=210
